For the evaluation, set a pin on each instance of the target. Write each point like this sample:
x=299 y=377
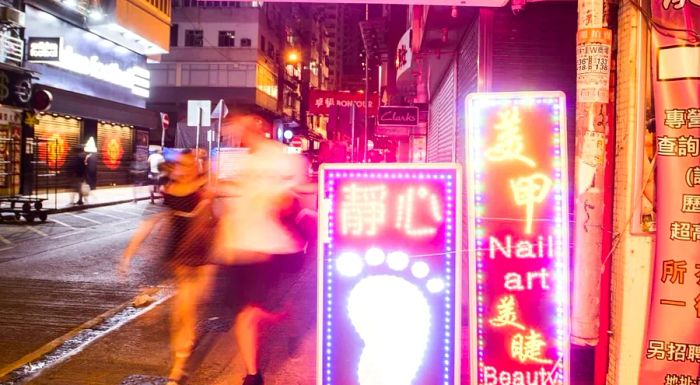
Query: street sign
x=296 y=142
x=389 y=274
x=397 y=116
x=220 y=111
x=199 y=113
x=518 y=246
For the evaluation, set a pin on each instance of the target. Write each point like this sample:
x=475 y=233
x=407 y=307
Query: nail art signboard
x=518 y=238
x=389 y=274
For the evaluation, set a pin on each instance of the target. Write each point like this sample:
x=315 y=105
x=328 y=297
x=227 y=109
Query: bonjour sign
x=397 y=116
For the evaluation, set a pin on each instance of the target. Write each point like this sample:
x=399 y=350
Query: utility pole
x=366 y=137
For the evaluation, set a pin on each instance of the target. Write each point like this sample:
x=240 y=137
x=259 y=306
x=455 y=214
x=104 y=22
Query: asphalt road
x=58 y=275
x=65 y=315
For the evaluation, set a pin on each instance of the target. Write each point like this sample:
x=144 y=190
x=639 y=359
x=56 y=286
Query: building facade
x=91 y=57
x=253 y=56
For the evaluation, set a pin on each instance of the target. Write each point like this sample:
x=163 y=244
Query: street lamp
x=293 y=57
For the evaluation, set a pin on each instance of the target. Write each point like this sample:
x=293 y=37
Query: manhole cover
x=141 y=379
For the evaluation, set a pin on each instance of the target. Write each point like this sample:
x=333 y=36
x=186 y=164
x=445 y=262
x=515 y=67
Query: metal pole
x=352 y=133
x=366 y=137
x=218 y=146
x=199 y=124
x=162 y=135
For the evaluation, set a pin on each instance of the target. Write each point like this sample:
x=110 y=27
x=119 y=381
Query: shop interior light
x=70 y=3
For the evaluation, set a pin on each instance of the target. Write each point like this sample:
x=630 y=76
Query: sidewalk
x=102 y=196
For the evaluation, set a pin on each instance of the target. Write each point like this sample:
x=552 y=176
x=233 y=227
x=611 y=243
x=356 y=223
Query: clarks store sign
x=397 y=116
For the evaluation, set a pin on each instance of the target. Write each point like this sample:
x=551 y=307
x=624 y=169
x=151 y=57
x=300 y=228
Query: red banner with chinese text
x=672 y=346
x=320 y=102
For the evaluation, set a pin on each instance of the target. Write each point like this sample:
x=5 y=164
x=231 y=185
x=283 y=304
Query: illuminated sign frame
x=517 y=329
x=446 y=307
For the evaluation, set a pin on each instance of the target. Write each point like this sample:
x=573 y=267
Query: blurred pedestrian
x=139 y=172
x=189 y=224
x=155 y=162
x=256 y=235
x=76 y=172
x=91 y=165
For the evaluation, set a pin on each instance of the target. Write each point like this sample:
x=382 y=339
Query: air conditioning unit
x=11 y=16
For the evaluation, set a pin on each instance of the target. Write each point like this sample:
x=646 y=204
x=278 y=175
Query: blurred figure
x=91 y=165
x=189 y=225
x=155 y=161
x=257 y=236
x=76 y=167
x=139 y=172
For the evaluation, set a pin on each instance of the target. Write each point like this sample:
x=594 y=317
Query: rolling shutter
x=57 y=137
x=442 y=121
x=115 y=146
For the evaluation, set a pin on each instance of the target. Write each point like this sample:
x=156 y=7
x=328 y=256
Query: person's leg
x=183 y=320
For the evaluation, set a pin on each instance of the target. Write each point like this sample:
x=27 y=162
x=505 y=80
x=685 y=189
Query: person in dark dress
x=91 y=169
x=188 y=222
x=76 y=171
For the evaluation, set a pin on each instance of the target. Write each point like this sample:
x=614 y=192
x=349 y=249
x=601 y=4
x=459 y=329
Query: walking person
x=77 y=170
x=189 y=222
x=256 y=236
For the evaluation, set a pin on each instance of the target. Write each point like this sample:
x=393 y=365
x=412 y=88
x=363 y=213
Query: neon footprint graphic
x=390 y=314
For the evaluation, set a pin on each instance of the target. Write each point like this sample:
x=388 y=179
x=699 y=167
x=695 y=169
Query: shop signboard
x=672 y=345
x=44 y=49
x=71 y=58
x=322 y=101
x=397 y=116
x=518 y=238
x=389 y=274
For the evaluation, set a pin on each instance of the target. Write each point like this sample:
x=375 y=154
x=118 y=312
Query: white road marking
x=124 y=212
x=68 y=234
x=5 y=240
x=30 y=228
x=85 y=218
x=7 y=248
x=106 y=215
x=61 y=223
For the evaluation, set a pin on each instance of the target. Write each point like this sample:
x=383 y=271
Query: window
x=173 y=35
x=246 y=43
x=227 y=38
x=194 y=38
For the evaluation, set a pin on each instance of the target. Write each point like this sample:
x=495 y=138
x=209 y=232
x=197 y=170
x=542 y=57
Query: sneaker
x=255 y=379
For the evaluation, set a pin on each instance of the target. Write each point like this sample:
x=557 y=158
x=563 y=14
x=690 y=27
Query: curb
x=57 y=342
x=95 y=205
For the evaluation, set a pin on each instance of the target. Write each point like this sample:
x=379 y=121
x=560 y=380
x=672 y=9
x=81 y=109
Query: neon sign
x=389 y=274
x=518 y=238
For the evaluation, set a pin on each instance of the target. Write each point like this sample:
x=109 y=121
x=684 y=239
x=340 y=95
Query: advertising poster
x=672 y=347
x=593 y=50
x=518 y=215
x=389 y=274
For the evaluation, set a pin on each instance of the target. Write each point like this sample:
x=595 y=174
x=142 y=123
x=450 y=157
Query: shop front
x=99 y=94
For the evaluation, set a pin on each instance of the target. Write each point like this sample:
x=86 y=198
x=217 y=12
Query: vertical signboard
x=518 y=238
x=672 y=346
x=389 y=274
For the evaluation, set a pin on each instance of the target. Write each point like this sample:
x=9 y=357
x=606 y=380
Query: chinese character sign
x=389 y=274
x=518 y=238
x=671 y=352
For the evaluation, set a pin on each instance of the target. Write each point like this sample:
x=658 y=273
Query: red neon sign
x=519 y=249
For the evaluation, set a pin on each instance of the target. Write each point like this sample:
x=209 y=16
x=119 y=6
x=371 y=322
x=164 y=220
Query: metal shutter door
x=56 y=137
x=115 y=148
x=442 y=121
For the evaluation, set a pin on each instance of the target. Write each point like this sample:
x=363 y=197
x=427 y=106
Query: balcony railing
x=11 y=50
